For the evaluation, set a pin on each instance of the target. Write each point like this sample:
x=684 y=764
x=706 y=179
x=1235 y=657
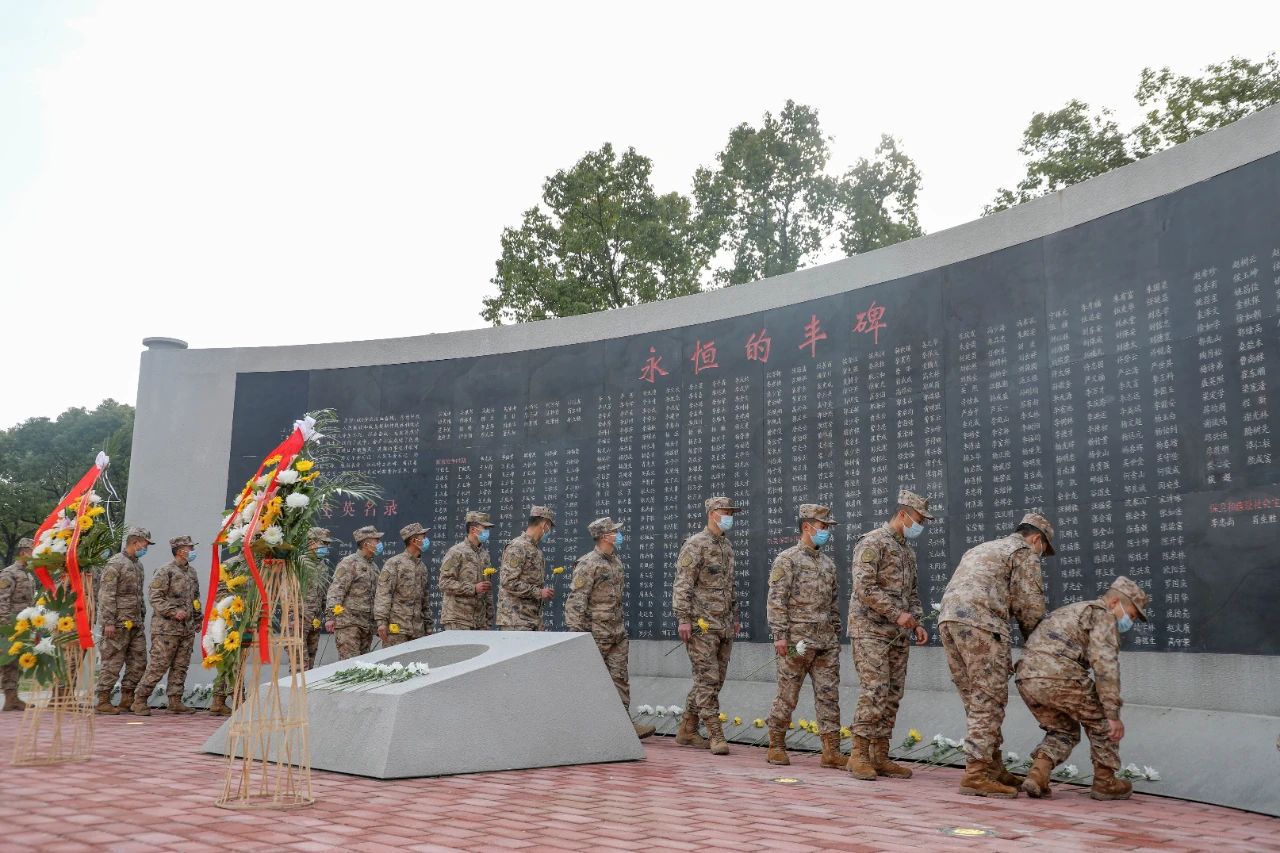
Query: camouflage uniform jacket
x=402 y=595
x=884 y=584
x=993 y=581
x=704 y=586
x=1069 y=642
x=313 y=596
x=463 y=567
x=595 y=602
x=804 y=598
x=119 y=593
x=17 y=590
x=353 y=586
x=523 y=576
x=173 y=588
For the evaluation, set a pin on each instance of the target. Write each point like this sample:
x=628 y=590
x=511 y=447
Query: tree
x=769 y=202
x=41 y=459
x=877 y=200
x=1069 y=146
x=602 y=239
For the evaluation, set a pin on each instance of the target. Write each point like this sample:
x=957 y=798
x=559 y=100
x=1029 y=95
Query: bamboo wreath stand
x=268 y=749
x=57 y=725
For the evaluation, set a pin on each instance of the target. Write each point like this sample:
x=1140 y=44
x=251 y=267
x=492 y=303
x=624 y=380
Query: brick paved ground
x=147 y=788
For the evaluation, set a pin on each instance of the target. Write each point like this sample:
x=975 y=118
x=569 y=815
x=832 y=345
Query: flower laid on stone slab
x=1134 y=773
x=366 y=676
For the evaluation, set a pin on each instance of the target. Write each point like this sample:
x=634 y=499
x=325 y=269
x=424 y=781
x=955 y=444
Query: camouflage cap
x=181 y=542
x=603 y=527
x=409 y=531
x=911 y=500
x=319 y=534
x=366 y=532
x=26 y=542
x=721 y=503
x=480 y=518
x=543 y=512
x=138 y=533
x=1130 y=590
x=816 y=512
x=1039 y=522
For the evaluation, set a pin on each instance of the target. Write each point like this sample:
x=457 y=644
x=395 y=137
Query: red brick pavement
x=148 y=788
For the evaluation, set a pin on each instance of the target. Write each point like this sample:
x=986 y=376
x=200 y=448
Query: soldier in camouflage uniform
x=804 y=613
x=17 y=593
x=522 y=581
x=222 y=684
x=704 y=597
x=120 y=618
x=994 y=580
x=349 y=601
x=464 y=603
x=1053 y=678
x=884 y=614
x=318 y=542
x=174 y=593
x=400 y=608
x=594 y=606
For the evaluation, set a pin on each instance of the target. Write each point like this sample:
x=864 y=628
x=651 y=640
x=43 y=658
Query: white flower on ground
x=939 y=740
x=364 y=665
x=660 y=711
x=1133 y=769
x=675 y=710
x=802 y=647
x=1013 y=756
x=419 y=668
x=297 y=500
x=645 y=709
x=273 y=535
x=397 y=666
x=1072 y=770
x=287 y=477
x=1151 y=773
x=45 y=647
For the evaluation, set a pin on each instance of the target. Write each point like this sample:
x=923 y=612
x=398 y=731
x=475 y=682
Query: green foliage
x=877 y=200
x=1069 y=145
x=40 y=459
x=602 y=239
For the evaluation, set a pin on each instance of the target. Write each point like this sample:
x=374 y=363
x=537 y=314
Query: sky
x=177 y=169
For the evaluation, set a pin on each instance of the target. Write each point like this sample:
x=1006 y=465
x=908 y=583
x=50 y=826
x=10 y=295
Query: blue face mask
x=141 y=552
x=913 y=530
x=726 y=523
x=191 y=556
x=483 y=536
x=1124 y=623
x=322 y=551
x=426 y=544
x=820 y=537
x=377 y=551
x=617 y=539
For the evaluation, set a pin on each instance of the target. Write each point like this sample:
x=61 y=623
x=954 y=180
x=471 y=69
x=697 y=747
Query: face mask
x=426 y=544
x=191 y=556
x=322 y=551
x=820 y=537
x=141 y=552
x=483 y=535
x=617 y=539
x=1124 y=623
x=912 y=530
x=726 y=523
x=377 y=550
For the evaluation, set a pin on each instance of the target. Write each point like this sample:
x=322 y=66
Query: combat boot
x=879 y=754
x=778 y=748
x=716 y=735
x=688 y=733
x=978 y=782
x=831 y=755
x=1000 y=773
x=105 y=706
x=127 y=699
x=12 y=702
x=1037 y=782
x=139 y=705
x=642 y=731
x=218 y=708
x=860 y=760
x=176 y=706
x=1107 y=787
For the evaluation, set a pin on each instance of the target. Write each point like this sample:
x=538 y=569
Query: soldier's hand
x=109 y=631
x=780 y=647
x=685 y=630
x=329 y=625
x=383 y=634
x=180 y=615
x=483 y=588
x=1117 y=729
x=547 y=593
x=906 y=620
x=922 y=636
x=737 y=628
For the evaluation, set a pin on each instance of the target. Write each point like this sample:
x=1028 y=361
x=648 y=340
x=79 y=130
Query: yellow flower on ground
x=338 y=609
x=758 y=723
x=558 y=570
x=845 y=734
x=724 y=718
x=304 y=465
x=737 y=721
x=804 y=724
x=393 y=628
x=211 y=661
x=489 y=572
x=37 y=621
x=66 y=623
x=17 y=647
x=20 y=627
x=315 y=623
x=237 y=605
x=704 y=625
x=791 y=726
x=915 y=735
x=27 y=661
x=128 y=624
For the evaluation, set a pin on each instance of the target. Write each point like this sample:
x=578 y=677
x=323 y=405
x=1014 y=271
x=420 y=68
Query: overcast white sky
x=168 y=168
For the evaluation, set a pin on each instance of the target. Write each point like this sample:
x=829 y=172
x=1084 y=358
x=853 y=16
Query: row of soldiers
x=994 y=583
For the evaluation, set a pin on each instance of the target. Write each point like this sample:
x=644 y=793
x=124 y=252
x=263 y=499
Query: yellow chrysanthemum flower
x=85 y=522
x=724 y=718
x=41 y=601
x=558 y=570
x=791 y=726
x=128 y=624
x=804 y=724
x=307 y=479
x=95 y=512
x=845 y=734
x=758 y=723
x=236 y=582
x=393 y=628
x=66 y=623
x=27 y=661
x=231 y=644
x=315 y=623
x=304 y=465
x=237 y=605
x=21 y=627
x=915 y=735
x=16 y=647
x=273 y=460
x=704 y=624
x=211 y=661
x=37 y=621
x=338 y=609
x=225 y=614
x=489 y=572
x=737 y=721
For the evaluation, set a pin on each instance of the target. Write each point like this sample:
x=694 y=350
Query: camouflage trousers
x=9 y=677
x=1062 y=708
x=169 y=653
x=980 y=664
x=617 y=654
x=882 y=677
x=397 y=639
x=823 y=668
x=460 y=626
x=311 y=644
x=353 y=640
x=709 y=657
x=127 y=651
